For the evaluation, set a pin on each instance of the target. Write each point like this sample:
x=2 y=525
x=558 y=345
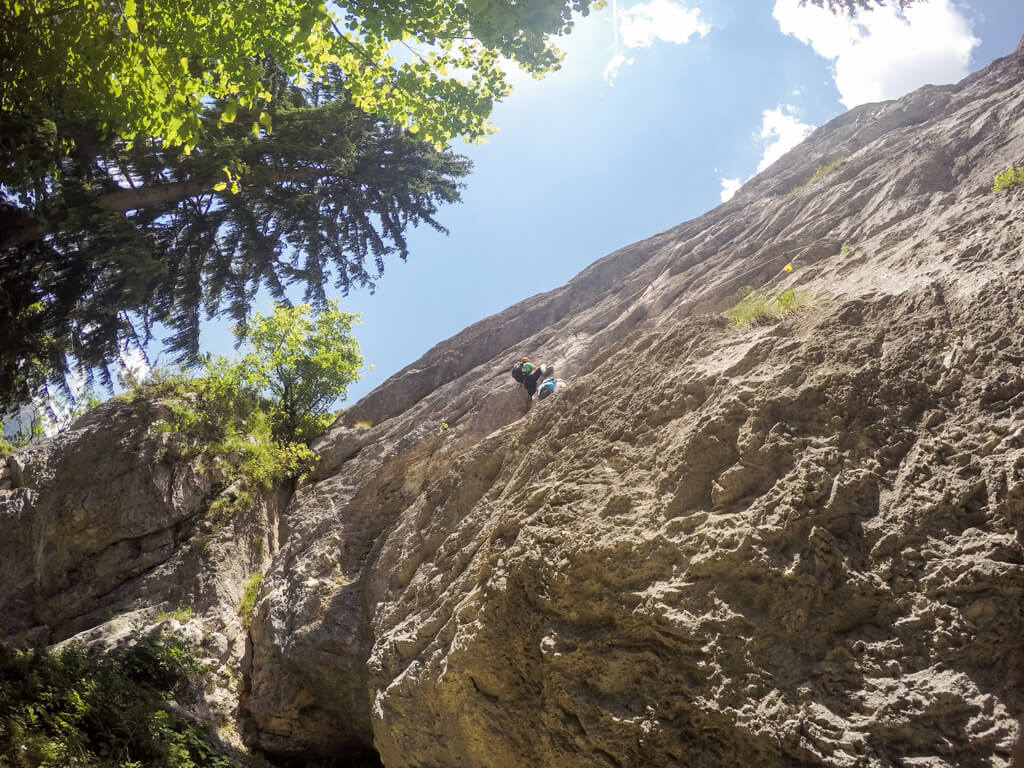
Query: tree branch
x=24 y=228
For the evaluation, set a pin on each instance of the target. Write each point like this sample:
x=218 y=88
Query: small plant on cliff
x=824 y=170
x=819 y=172
x=753 y=307
x=72 y=707
x=249 y=595
x=1011 y=177
x=847 y=248
x=182 y=613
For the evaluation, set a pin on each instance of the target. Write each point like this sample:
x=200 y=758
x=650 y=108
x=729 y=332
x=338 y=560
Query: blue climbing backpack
x=546 y=387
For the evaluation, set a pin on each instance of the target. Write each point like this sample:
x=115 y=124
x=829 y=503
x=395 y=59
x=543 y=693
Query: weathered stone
x=15 y=470
x=106 y=539
x=791 y=544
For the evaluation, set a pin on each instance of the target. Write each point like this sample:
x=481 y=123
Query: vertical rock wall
x=792 y=544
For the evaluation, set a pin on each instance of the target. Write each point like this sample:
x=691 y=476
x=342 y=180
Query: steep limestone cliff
x=105 y=532
x=799 y=543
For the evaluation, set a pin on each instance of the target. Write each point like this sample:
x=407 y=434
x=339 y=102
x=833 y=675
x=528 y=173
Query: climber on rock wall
x=529 y=375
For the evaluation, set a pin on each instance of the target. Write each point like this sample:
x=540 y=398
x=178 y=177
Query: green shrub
x=248 y=604
x=24 y=435
x=753 y=307
x=845 y=249
x=824 y=170
x=303 y=360
x=1011 y=177
x=182 y=613
x=72 y=707
x=821 y=170
x=225 y=425
x=252 y=419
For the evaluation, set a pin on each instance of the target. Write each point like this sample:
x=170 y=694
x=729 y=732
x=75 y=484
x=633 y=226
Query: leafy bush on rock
x=1011 y=177
x=73 y=707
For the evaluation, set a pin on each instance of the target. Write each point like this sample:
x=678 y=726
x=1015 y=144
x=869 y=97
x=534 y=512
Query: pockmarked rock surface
x=792 y=544
x=105 y=533
x=799 y=543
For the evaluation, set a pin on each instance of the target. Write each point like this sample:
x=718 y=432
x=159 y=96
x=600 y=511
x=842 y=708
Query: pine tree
x=129 y=235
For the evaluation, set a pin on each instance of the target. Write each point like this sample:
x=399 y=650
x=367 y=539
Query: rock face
x=104 y=532
x=795 y=544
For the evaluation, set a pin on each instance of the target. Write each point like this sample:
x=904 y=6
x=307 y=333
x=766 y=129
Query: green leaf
x=230 y=110
x=265 y=121
x=129 y=16
x=171 y=132
x=220 y=186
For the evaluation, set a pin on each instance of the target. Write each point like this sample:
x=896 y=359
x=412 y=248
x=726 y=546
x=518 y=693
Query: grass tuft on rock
x=819 y=172
x=1011 y=177
x=248 y=604
x=824 y=170
x=753 y=307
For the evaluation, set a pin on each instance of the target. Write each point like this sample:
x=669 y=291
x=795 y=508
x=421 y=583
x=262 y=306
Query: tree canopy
x=302 y=360
x=161 y=161
x=126 y=238
x=78 y=72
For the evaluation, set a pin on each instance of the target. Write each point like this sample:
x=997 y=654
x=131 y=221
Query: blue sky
x=595 y=156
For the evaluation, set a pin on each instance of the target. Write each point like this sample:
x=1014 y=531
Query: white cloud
x=643 y=24
x=729 y=187
x=133 y=361
x=663 y=20
x=612 y=70
x=884 y=53
x=781 y=130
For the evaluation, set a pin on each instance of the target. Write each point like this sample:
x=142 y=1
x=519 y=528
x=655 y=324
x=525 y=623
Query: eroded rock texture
x=797 y=544
x=105 y=533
